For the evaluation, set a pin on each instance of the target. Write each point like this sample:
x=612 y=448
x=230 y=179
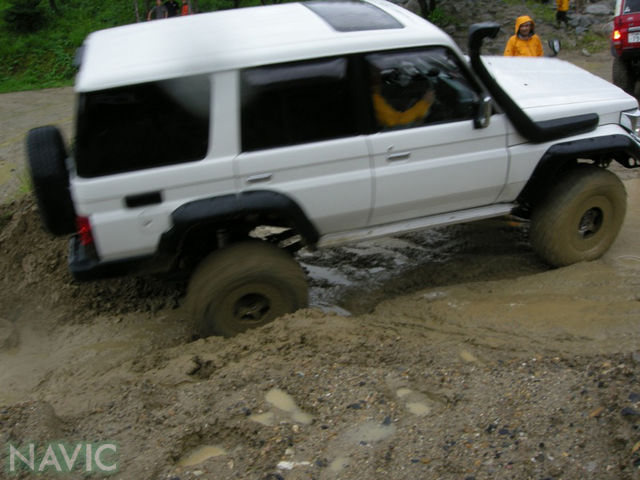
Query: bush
x=24 y=16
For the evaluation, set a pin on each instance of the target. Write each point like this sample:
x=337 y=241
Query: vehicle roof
x=240 y=38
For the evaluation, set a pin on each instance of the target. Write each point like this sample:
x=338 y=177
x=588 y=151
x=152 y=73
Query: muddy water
x=482 y=281
x=284 y=408
x=200 y=455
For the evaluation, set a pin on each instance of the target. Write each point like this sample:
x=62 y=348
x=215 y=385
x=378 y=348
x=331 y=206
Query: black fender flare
x=601 y=150
x=537 y=132
x=229 y=209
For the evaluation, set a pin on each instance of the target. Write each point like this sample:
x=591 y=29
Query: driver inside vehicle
x=402 y=95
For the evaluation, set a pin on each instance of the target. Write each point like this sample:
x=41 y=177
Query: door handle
x=143 y=199
x=394 y=157
x=263 y=177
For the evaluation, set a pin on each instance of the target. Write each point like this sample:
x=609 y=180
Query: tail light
x=616 y=35
x=83 y=227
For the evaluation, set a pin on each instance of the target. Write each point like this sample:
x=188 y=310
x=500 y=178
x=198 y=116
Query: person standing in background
x=172 y=7
x=186 y=8
x=561 y=12
x=157 y=12
x=525 y=42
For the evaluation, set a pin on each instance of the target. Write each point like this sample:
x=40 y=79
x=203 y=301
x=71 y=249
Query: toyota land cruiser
x=220 y=143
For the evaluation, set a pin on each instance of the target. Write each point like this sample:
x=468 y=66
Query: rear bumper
x=85 y=266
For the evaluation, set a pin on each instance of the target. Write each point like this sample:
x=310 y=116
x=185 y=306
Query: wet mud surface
x=452 y=353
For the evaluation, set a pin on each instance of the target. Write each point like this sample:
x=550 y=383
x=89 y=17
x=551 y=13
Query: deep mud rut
x=449 y=354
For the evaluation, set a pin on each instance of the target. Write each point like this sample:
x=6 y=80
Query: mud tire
x=244 y=286
x=580 y=218
x=622 y=76
x=46 y=157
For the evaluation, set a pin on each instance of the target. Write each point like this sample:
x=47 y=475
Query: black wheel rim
x=590 y=222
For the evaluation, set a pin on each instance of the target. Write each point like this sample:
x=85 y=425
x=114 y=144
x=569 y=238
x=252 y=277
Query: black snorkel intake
x=536 y=132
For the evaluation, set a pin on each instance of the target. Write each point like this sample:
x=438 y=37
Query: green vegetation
x=541 y=12
x=440 y=17
x=594 y=43
x=43 y=57
x=544 y=12
x=26 y=184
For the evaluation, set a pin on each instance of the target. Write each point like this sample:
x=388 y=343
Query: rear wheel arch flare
x=220 y=212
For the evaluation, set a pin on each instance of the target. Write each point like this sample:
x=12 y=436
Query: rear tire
x=46 y=157
x=622 y=76
x=580 y=218
x=244 y=286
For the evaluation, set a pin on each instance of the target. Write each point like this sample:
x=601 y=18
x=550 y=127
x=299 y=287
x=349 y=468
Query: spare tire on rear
x=46 y=157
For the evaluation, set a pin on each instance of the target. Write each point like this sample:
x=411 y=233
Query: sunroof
x=352 y=16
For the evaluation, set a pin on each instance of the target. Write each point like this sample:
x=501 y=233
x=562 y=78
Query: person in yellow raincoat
x=561 y=12
x=388 y=116
x=525 y=42
x=408 y=100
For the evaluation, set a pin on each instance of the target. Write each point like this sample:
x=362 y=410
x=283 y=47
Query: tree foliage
x=24 y=15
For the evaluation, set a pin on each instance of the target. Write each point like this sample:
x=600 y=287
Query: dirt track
x=449 y=354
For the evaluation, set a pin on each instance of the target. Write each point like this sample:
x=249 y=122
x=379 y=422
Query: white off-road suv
x=218 y=144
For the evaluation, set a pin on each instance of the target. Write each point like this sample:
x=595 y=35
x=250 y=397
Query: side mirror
x=483 y=114
x=554 y=46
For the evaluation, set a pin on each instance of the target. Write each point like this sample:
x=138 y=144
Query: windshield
x=631 y=6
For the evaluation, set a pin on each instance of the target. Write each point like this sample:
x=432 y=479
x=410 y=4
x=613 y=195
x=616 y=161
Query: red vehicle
x=625 y=47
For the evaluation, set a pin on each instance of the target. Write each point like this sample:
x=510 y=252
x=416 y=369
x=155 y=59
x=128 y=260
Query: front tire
x=244 y=286
x=622 y=76
x=580 y=218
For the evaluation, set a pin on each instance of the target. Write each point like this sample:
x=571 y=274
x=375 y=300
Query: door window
x=296 y=103
x=417 y=87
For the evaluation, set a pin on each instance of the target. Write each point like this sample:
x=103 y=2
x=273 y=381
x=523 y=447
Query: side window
x=295 y=103
x=142 y=126
x=412 y=88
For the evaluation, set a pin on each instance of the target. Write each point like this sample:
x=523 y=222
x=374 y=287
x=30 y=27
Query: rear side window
x=142 y=126
x=295 y=103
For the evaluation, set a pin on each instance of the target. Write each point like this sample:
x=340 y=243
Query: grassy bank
x=44 y=58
